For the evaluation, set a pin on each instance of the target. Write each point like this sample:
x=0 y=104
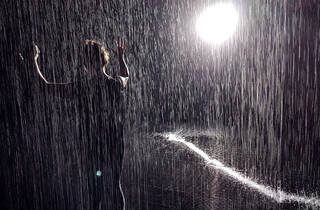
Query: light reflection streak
x=277 y=195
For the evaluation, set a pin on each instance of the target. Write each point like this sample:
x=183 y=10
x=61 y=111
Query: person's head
x=96 y=58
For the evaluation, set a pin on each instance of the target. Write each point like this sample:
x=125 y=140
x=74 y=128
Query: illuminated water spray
x=277 y=195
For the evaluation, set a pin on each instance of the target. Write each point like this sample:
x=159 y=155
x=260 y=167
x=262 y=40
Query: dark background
x=258 y=93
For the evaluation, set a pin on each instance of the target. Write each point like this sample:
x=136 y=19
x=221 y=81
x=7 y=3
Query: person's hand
x=36 y=51
x=92 y=42
x=120 y=47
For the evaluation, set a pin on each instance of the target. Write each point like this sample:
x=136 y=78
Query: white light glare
x=217 y=23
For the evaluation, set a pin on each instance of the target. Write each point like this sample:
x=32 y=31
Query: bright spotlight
x=217 y=23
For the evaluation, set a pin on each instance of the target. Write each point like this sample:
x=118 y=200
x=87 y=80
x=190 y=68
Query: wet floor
x=169 y=175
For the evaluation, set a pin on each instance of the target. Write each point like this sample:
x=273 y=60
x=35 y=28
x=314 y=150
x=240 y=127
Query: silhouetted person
x=99 y=101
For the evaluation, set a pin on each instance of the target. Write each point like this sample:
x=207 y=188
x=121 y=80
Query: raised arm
x=124 y=71
x=36 y=56
x=64 y=89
